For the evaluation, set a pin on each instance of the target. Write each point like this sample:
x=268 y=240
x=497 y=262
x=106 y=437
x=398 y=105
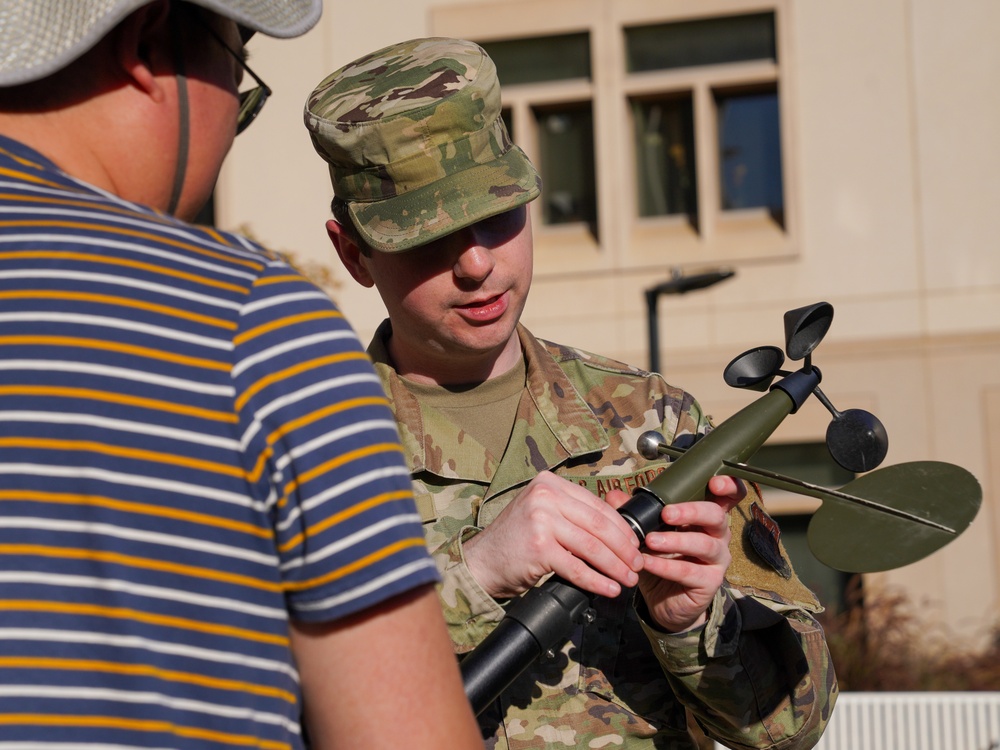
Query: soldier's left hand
x=684 y=566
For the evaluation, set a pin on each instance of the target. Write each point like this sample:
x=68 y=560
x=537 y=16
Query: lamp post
x=678 y=283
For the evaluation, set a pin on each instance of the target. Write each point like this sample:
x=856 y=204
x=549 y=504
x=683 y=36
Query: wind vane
x=885 y=519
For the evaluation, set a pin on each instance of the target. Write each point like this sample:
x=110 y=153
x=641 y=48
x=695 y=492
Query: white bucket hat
x=39 y=37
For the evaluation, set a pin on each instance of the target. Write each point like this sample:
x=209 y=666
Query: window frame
x=625 y=240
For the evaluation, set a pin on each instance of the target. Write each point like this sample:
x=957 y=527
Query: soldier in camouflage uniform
x=520 y=449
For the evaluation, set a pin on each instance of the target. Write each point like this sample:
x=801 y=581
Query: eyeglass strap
x=183 y=110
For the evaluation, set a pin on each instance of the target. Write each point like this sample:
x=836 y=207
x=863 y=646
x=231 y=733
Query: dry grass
x=882 y=644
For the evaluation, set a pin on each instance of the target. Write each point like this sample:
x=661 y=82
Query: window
x=712 y=41
x=665 y=157
x=661 y=130
x=746 y=119
x=550 y=58
x=749 y=152
x=566 y=159
x=564 y=132
x=548 y=96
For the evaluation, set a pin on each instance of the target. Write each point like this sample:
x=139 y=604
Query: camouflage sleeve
x=469 y=612
x=756 y=675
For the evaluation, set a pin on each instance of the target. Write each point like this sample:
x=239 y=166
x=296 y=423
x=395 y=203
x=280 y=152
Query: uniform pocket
x=619 y=666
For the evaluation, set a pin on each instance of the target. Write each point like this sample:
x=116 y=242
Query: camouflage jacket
x=756 y=675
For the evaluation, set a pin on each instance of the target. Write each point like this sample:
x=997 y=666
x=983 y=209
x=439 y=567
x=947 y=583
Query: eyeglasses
x=252 y=100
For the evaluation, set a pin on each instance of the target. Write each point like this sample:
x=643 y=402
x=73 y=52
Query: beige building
x=840 y=151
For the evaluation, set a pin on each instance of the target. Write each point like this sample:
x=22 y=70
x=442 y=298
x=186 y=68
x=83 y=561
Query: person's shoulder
x=569 y=356
x=240 y=244
x=600 y=377
x=249 y=255
x=260 y=271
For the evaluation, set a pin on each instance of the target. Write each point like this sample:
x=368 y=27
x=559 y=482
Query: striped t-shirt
x=193 y=448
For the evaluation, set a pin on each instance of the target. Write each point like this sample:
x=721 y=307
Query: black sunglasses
x=252 y=100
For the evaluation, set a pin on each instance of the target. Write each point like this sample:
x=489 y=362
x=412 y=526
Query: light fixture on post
x=678 y=283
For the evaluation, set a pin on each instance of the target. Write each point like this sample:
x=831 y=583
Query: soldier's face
x=457 y=300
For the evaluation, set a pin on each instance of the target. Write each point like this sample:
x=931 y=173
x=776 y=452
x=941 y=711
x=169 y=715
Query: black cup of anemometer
x=885 y=519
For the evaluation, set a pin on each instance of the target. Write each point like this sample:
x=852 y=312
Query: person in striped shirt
x=207 y=528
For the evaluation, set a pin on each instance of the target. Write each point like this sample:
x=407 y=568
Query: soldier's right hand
x=555 y=526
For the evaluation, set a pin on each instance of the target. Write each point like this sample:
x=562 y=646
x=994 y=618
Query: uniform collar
x=554 y=423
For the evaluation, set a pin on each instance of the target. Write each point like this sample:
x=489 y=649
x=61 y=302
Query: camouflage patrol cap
x=415 y=142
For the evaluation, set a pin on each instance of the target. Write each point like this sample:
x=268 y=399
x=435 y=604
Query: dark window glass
x=665 y=160
x=566 y=144
x=704 y=42
x=810 y=462
x=750 y=151
x=542 y=58
x=508 y=122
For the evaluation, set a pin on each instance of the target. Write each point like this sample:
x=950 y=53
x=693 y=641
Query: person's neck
x=104 y=142
x=449 y=369
x=46 y=133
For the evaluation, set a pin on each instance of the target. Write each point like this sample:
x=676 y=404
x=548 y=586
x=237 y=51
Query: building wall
x=897 y=179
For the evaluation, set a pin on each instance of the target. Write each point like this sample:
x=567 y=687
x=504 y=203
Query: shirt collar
x=554 y=422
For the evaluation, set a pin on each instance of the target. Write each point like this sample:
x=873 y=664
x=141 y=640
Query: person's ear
x=143 y=47
x=350 y=254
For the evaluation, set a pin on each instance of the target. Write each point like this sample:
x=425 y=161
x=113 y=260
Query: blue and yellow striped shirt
x=193 y=448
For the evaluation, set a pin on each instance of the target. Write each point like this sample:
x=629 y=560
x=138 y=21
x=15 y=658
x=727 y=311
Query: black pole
x=541 y=620
x=653 y=326
x=676 y=284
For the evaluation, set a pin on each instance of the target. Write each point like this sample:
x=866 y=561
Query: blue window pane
x=750 y=152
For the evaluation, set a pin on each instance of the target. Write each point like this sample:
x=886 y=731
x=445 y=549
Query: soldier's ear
x=350 y=253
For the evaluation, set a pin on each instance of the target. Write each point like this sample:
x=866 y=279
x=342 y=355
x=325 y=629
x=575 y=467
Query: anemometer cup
x=805 y=327
x=754 y=369
x=857 y=440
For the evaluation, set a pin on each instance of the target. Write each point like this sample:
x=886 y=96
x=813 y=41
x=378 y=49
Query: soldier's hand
x=685 y=566
x=555 y=526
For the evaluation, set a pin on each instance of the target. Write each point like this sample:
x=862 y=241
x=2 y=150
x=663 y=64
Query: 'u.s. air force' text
x=602 y=485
